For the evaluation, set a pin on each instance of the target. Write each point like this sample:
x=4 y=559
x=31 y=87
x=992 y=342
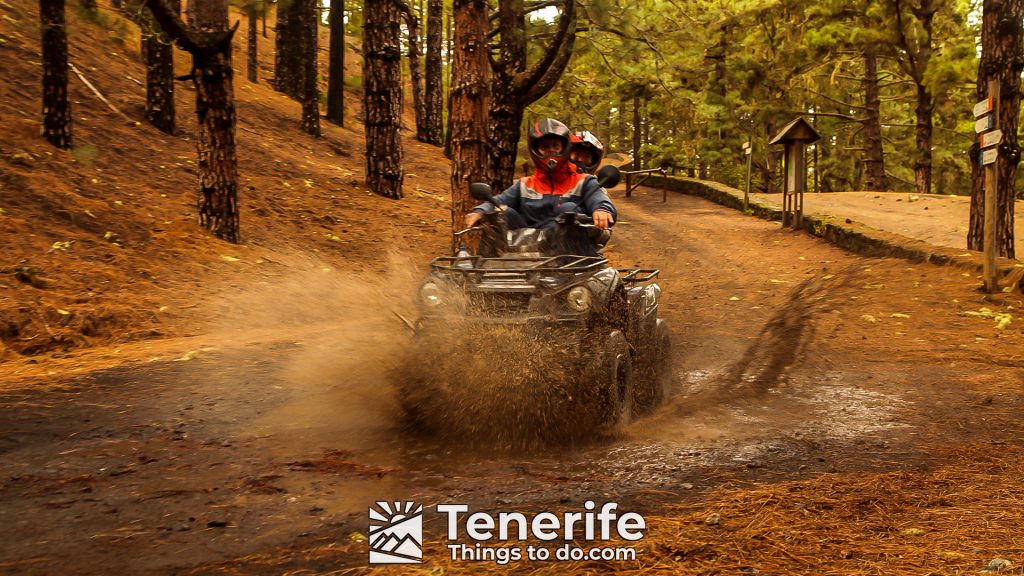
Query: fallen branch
x=98 y=95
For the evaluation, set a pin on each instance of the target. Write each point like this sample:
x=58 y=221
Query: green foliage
x=712 y=74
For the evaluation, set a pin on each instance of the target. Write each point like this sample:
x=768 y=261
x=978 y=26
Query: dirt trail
x=793 y=358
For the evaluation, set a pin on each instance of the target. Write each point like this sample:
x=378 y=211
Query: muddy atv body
x=606 y=353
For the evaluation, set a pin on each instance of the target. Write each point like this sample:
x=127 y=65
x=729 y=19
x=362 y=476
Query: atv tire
x=655 y=377
x=616 y=380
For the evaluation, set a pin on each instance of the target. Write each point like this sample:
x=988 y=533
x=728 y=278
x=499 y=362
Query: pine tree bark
x=336 y=65
x=874 y=161
x=56 y=104
x=923 y=139
x=253 y=45
x=914 y=25
x=158 y=55
x=637 y=160
x=515 y=86
x=415 y=74
x=286 y=40
x=622 y=124
x=433 y=112
x=382 y=91
x=645 y=123
x=212 y=75
x=307 y=14
x=1002 y=58
x=450 y=27
x=470 y=97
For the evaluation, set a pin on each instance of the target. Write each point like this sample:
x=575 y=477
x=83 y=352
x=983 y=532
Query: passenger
x=586 y=152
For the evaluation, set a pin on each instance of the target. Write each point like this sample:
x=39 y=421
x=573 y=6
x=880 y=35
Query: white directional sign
x=983 y=107
x=991 y=138
x=989 y=156
x=984 y=124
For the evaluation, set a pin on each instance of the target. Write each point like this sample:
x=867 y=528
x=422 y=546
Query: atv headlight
x=579 y=298
x=431 y=294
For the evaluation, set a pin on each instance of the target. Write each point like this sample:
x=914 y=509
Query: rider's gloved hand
x=603 y=219
x=472 y=218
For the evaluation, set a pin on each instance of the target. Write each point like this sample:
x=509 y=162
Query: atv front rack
x=562 y=263
x=638 y=275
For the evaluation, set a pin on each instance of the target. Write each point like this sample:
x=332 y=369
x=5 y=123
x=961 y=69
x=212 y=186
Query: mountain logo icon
x=396 y=533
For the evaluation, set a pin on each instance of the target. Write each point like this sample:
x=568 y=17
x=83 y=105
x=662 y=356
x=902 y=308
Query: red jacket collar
x=558 y=182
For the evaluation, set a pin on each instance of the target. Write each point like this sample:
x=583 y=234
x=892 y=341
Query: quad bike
x=525 y=293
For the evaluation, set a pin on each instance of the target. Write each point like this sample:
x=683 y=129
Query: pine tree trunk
x=263 y=19
x=416 y=77
x=158 y=54
x=253 y=46
x=623 y=124
x=336 y=65
x=382 y=90
x=1002 y=58
x=56 y=104
x=286 y=76
x=515 y=86
x=310 y=97
x=433 y=106
x=874 y=162
x=471 y=92
x=923 y=140
x=215 y=107
x=451 y=85
x=646 y=138
x=638 y=162
x=506 y=123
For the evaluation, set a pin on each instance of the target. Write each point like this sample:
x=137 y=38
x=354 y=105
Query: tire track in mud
x=754 y=379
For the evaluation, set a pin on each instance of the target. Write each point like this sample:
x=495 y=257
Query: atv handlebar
x=467 y=230
x=574 y=218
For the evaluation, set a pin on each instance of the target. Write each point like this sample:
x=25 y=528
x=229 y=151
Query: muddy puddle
x=698 y=428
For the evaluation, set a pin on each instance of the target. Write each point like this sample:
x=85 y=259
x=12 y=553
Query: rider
x=586 y=151
x=554 y=188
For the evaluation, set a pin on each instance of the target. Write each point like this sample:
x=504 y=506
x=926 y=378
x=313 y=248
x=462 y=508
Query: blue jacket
x=541 y=197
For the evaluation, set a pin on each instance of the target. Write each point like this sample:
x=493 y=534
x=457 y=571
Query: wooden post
x=991 y=187
x=746 y=190
x=801 y=184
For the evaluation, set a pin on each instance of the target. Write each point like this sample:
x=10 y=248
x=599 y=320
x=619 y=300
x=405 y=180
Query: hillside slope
x=102 y=245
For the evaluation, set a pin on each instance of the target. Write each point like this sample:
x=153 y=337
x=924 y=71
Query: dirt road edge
x=848 y=234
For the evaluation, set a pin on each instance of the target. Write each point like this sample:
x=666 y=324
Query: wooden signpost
x=795 y=137
x=988 y=113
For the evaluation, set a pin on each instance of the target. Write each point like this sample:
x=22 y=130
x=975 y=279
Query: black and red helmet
x=549 y=128
x=586 y=141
